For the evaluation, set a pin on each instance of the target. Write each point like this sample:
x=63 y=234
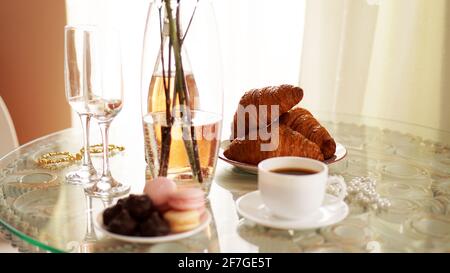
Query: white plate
x=340 y=153
x=251 y=207
x=206 y=219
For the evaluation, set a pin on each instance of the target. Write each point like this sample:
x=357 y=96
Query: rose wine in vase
x=207 y=127
x=207 y=130
x=157 y=98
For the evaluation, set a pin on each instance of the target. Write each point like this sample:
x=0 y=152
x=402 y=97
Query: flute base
x=106 y=188
x=83 y=176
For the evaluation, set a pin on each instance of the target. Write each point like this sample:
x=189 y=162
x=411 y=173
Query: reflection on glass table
x=39 y=212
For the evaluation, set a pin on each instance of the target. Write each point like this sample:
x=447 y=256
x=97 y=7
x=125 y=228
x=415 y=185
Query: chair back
x=8 y=136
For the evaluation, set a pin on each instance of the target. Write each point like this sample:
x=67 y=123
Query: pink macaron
x=187 y=199
x=159 y=190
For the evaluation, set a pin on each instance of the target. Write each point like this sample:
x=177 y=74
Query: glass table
x=40 y=213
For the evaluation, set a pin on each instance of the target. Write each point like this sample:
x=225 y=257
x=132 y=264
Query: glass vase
x=182 y=92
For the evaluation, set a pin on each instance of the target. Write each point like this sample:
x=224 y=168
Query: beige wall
x=32 y=66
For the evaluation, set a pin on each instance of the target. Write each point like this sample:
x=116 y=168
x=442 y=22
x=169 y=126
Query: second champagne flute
x=77 y=81
x=105 y=102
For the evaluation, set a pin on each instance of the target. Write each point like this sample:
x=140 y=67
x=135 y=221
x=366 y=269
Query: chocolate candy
x=154 y=226
x=110 y=213
x=139 y=206
x=135 y=216
x=122 y=202
x=123 y=224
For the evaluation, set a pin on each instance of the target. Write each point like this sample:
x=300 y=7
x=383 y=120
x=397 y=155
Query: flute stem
x=85 y=123
x=104 y=127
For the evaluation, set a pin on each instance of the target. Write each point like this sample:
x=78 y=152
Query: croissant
x=287 y=142
x=285 y=96
x=302 y=121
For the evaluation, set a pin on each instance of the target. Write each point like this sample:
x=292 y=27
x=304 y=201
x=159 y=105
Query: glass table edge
x=13 y=230
x=28 y=239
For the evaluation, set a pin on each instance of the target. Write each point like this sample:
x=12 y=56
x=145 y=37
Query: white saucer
x=251 y=207
x=204 y=222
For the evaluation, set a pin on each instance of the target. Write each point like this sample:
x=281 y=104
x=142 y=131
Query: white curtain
x=380 y=58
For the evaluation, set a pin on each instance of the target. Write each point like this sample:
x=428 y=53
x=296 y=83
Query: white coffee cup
x=295 y=196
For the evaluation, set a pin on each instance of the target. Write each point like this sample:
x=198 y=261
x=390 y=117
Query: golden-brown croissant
x=286 y=142
x=284 y=96
x=302 y=121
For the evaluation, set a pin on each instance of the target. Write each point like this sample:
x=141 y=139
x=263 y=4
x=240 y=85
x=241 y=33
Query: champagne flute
x=104 y=101
x=76 y=59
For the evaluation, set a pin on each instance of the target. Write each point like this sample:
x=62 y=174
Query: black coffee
x=294 y=171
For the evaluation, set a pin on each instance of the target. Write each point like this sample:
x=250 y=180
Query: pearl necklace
x=362 y=191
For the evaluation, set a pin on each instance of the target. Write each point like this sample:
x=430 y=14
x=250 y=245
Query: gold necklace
x=98 y=149
x=58 y=160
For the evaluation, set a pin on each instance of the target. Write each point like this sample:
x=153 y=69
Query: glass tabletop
x=40 y=213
